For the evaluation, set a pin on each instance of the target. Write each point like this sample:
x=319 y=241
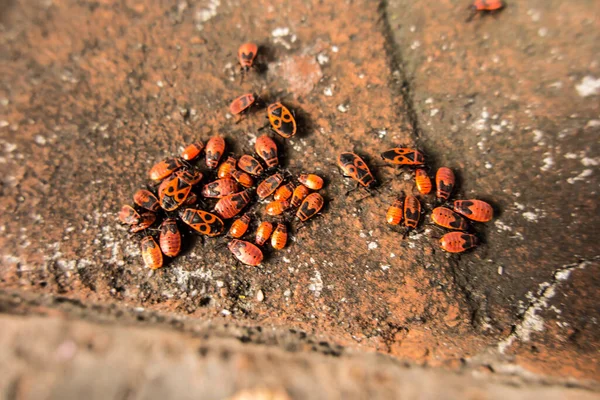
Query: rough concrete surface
x=93 y=94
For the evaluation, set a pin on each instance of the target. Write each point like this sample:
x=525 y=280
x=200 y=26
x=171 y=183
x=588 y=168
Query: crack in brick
x=530 y=320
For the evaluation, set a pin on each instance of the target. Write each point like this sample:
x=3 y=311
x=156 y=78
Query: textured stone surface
x=93 y=94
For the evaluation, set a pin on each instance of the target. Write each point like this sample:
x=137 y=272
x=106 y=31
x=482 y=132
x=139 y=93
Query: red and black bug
x=192 y=151
x=246 y=252
x=231 y=205
x=202 y=221
x=239 y=226
x=243 y=178
x=220 y=188
x=174 y=192
x=394 y=213
x=412 y=212
x=311 y=181
x=444 y=182
x=299 y=195
x=457 y=242
x=279 y=236
x=145 y=199
x=151 y=253
x=164 y=168
x=311 y=205
x=266 y=148
x=269 y=185
x=214 y=151
x=226 y=168
x=447 y=218
x=403 y=156
x=423 y=181
x=476 y=210
x=354 y=167
x=170 y=238
x=284 y=192
x=281 y=119
x=250 y=165
x=146 y=220
x=488 y=6
x=128 y=215
x=242 y=103
x=277 y=207
x=246 y=55
x=263 y=232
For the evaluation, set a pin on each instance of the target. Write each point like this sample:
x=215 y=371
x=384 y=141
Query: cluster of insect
x=408 y=209
x=177 y=193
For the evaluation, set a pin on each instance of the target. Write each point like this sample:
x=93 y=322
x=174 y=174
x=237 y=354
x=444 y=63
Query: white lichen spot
x=322 y=58
x=534 y=14
x=382 y=133
x=538 y=136
x=542 y=32
x=372 y=245
x=205 y=14
x=488 y=165
x=415 y=45
x=385 y=267
x=316 y=284
x=335 y=49
x=502 y=226
x=392 y=255
x=279 y=32
x=160 y=84
x=589 y=162
x=584 y=174
x=589 y=86
x=4 y=123
x=433 y=112
x=593 y=123
x=342 y=108
x=39 y=139
x=548 y=163
x=570 y=156
x=530 y=216
x=328 y=91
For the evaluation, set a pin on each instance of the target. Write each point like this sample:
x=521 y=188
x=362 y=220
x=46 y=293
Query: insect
x=354 y=167
x=202 y=221
x=214 y=151
x=311 y=181
x=128 y=215
x=284 y=192
x=263 y=232
x=174 y=192
x=299 y=195
x=239 y=226
x=476 y=210
x=151 y=253
x=230 y=206
x=226 y=169
x=243 y=178
x=164 y=168
x=145 y=199
x=191 y=199
x=281 y=119
x=146 y=219
x=192 y=151
x=250 y=165
x=279 y=236
x=412 y=212
x=277 y=207
x=457 y=242
x=266 y=148
x=246 y=252
x=190 y=176
x=246 y=55
x=403 y=156
x=170 y=238
x=447 y=218
x=242 y=103
x=269 y=185
x=220 y=188
x=444 y=182
x=311 y=205
x=394 y=213
x=485 y=6
x=423 y=181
